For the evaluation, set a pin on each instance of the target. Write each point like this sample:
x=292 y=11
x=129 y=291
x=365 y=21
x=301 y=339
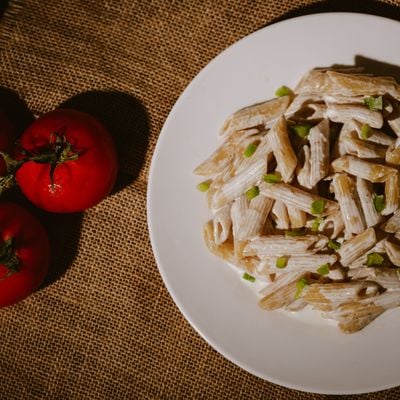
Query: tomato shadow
x=357 y=6
x=15 y=110
x=126 y=119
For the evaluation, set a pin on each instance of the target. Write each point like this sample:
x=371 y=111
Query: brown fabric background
x=104 y=326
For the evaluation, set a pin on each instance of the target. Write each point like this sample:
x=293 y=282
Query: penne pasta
x=313 y=164
x=357 y=246
x=372 y=172
x=344 y=189
x=297 y=217
x=280 y=245
x=297 y=198
x=282 y=149
x=259 y=115
x=319 y=146
x=365 y=194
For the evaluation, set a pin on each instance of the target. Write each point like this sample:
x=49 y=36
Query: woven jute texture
x=103 y=326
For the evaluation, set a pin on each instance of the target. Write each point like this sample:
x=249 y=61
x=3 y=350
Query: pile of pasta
x=304 y=192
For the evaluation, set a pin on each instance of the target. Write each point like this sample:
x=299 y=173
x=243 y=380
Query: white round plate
x=300 y=351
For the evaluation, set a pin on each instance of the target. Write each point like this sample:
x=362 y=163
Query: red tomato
x=74 y=162
x=7 y=137
x=24 y=253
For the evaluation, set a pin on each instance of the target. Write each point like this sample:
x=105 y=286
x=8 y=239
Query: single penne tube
x=222 y=223
x=297 y=217
x=391 y=194
x=304 y=172
x=281 y=292
x=393 y=252
x=280 y=245
x=339 y=148
x=239 y=184
x=365 y=194
x=239 y=210
x=375 y=173
x=388 y=278
x=299 y=103
x=313 y=82
x=345 y=113
x=393 y=154
x=334 y=222
x=255 y=217
x=319 y=146
x=344 y=188
x=394 y=119
x=379 y=247
x=392 y=225
x=226 y=250
x=221 y=157
x=360 y=85
x=328 y=296
x=297 y=198
x=357 y=246
x=374 y=136
x=258 y=115
x=361 y=148
x=308 y=263
x=280 y=215
x=282 y=149
x=355 y=315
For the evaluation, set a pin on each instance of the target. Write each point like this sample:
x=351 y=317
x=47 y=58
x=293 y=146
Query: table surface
x=103 y=325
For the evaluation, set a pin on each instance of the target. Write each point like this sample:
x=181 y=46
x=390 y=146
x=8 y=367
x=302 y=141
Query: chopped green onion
x=300 y=285
x=324 y=269
x=204 y=186
x=374 y=259
x=316 y=223
x=281 y=262
x=374 y=103
x=283 y=91
x=250 y=150
x=379 y=202
x=366 y=131
x=272 y=178
x=317 y=206
x=333 y=244
x=301 y=130
x=248 y=277
x=295 y=232
x=253 y=192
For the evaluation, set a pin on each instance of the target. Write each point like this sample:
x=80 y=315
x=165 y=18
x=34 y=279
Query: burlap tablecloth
x=104 y=326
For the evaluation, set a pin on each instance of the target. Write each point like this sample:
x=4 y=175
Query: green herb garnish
x=301 y=130
x=374 y=259
x=281 y=262
x=374 y=103
x=324 y=269
x=333 y=244
x=204 y=186
x=296 y=232
x=317 y=206
x=253 y=192
x=272 y=178
x=316 y=223
x=248 y=277
x=283 y=91
x=366 y=131
x=379 y=202
x=300 y=285
x=250 y=150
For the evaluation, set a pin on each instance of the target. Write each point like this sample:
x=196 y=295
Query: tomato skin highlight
x=32 y=248
x=77 y=184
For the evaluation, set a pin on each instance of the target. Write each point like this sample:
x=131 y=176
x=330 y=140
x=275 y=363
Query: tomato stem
x=8 y=257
